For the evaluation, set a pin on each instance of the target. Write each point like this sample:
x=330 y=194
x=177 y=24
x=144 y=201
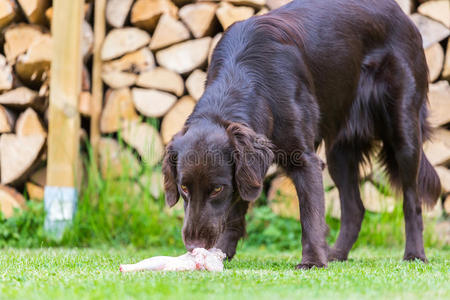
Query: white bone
x=198 y=259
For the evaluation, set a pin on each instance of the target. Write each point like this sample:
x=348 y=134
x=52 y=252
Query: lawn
x=253 y=274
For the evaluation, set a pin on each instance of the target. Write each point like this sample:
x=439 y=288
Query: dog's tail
x=429 y=185
x=428 y=182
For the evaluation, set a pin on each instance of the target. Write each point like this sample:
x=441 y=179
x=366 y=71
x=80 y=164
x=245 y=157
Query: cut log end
x=19 y=97
x=438 y=10
x=39 y=177
x=213 y=45
x=7 y=119
x=146 y=13
x=152 y=103
x=85 y=103
x=119 y=79
x=174 y=120
x=229 y=14
x=435 y=61
x=168 y=32
x=117 y=12
x=8 y=12
x=200 y=18
x=119 y=107
x=18 y=39
x=185 y=57
x=134 y=62
x=145 y=139
x=116 y=161
x=438 y=97
x=34 y=191
x=124 y=40
x=195 y=84
x=163 y=80
x=35 y=10
x=6 y=75
x=29 y=124
x=33 y=66
x=10 y=200
x=18 y=155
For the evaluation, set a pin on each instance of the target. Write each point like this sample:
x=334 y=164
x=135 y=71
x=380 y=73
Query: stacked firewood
x=25 y=57
x=155 y=55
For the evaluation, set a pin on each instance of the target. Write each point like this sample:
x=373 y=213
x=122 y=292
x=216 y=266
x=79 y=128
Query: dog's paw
x=333 y=256
x=413 y=257
x=308 y=266
x=337 y=255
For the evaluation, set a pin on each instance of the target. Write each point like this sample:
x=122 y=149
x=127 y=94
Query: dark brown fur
x=349 y=72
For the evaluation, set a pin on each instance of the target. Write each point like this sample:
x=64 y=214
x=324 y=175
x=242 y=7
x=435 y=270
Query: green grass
x=374 y=273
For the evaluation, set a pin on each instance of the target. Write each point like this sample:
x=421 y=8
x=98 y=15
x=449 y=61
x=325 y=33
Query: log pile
x=25 y=58
x=154 y=61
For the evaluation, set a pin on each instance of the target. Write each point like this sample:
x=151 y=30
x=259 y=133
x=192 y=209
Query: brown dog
x=349 y=72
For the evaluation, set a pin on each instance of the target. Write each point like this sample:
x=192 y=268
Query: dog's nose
x=194 y=244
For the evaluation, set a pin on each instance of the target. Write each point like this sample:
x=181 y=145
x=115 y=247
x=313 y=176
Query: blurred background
x=143 y=69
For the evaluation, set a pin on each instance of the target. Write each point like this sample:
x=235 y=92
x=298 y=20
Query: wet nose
x=191 y=245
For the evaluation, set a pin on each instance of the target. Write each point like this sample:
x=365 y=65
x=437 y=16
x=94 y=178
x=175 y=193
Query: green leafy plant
x=24 y=229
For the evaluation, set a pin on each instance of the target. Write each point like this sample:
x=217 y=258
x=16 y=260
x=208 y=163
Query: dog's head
x=212 y=167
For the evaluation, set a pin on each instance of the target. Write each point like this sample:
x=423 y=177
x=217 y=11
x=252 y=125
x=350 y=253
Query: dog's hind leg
x=343 y=160
x=403 y=133
x=402 y=159
x=410 y=169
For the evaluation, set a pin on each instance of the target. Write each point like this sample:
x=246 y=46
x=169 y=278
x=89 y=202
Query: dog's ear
x=169 y=169
x=252 y=156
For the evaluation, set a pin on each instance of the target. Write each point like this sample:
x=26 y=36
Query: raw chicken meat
x=198 y=259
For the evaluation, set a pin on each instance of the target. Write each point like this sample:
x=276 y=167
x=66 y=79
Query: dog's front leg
x=307 y=177
x=234 y=229
x=228 y=242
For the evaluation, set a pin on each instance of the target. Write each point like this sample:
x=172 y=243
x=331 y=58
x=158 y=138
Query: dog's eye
x=217 y=190
x=184 y=189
